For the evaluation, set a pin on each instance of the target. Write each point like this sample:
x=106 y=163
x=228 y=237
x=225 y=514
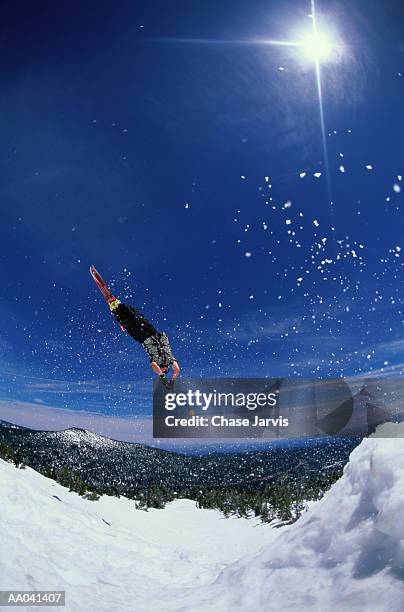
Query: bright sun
x=317 y=47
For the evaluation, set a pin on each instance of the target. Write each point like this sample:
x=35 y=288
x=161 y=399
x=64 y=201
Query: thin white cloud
x=391 y=348
x=31 y=384
x=51 y=418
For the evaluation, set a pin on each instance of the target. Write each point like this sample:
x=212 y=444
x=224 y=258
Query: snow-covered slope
x=345 y=554
x=106 y=554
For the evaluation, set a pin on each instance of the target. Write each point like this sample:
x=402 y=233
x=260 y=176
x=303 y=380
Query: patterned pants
x=159 y=350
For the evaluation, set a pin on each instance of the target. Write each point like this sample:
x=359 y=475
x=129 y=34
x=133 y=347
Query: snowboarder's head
x=164 y=364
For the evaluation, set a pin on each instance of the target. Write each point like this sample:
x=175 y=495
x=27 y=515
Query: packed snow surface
x=345 y=554
x=106 y=554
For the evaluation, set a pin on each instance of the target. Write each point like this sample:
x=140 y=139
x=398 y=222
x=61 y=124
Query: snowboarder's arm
x=155 y=367
x=167 y=383
x=176 y=370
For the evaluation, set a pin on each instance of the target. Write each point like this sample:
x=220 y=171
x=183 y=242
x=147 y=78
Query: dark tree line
x=12 y=455
x=67 y=478
x=283 y=500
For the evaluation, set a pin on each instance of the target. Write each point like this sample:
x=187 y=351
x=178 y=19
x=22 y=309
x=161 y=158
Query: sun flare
x=318 y=47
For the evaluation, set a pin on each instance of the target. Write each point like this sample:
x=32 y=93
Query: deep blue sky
x=124 y=147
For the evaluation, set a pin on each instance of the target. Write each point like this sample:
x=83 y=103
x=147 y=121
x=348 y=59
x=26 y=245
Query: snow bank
x=345 y=554
x=106 y=554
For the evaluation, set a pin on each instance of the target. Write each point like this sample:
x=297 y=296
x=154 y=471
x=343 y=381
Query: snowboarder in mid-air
x=156 y=344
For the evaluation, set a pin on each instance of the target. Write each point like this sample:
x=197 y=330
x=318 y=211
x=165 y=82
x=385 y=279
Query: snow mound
x=345 y=554
x=106 y=554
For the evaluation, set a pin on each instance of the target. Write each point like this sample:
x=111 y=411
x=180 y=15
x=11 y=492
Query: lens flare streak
x=321 y=109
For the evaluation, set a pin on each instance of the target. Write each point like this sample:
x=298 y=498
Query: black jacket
x=134 y=322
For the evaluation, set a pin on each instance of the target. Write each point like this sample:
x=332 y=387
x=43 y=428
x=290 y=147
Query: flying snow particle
x=317 y=174
x=369 y=167
x=187 y=205
x=342 y=169
x=281 y=68
x=242 y=177
x=396 y=188
x=316 y=223
x=302 y=174
x=288 y=221
x=248 y=254
x=287 y=204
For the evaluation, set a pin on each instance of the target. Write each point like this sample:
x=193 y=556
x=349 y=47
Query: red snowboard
x=102 y=285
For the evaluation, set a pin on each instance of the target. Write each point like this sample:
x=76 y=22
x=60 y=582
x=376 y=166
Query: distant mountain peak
x=79 y=435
